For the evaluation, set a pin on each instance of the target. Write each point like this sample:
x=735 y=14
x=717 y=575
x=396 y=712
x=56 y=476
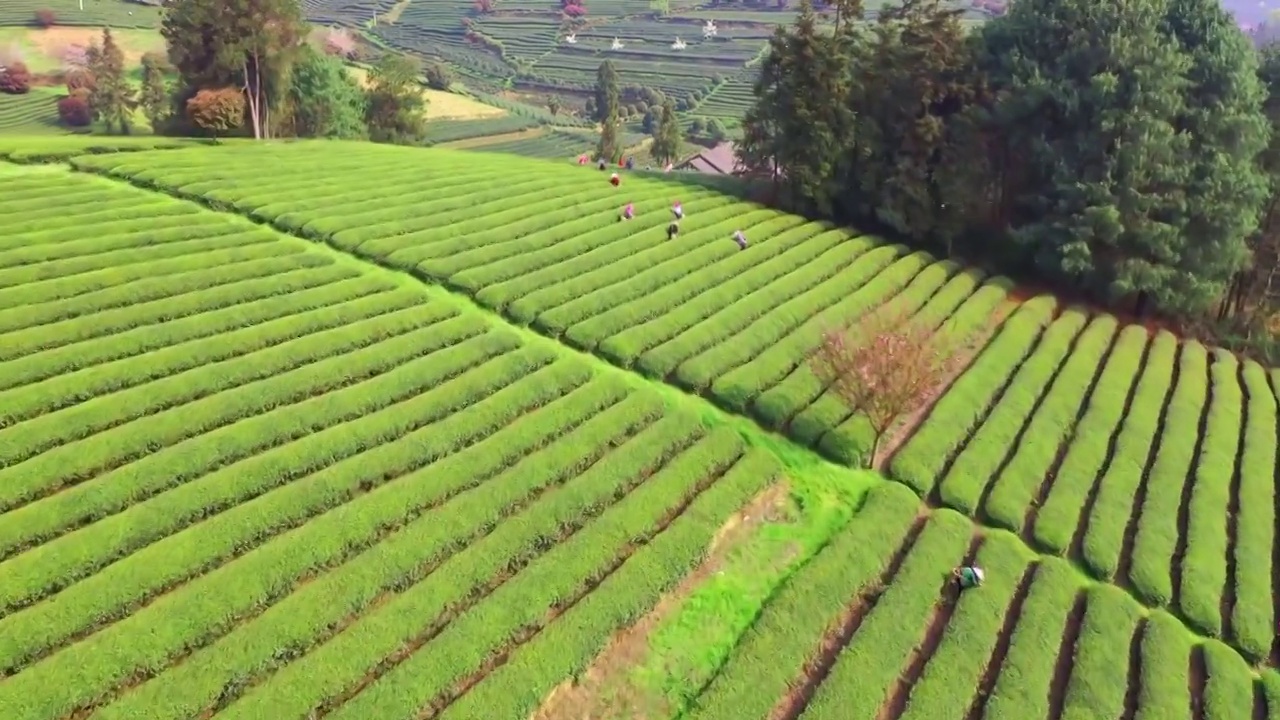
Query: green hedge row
x=1061 y=515
x=867 y=668
x=1253 y=621
x=1204 y=566
x=1018 y=485
x=432 y=564
x=565 y=648
x=1100 y=665
x=975 y=467
x=546 y=248
x=773 y=651
x=257 y=384
x=949 y=683
x=1118 y=487
x=571 y=572
x=191 y=615
x=1158 y=529
x=921 y=461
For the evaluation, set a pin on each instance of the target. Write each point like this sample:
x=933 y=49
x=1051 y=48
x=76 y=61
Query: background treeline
x=1123 y=149
x=251 y=68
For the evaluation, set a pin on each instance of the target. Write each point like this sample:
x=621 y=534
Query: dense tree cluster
x=1124 y=149
x=260 y=49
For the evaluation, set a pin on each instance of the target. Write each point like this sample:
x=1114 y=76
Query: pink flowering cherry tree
x=884 y=367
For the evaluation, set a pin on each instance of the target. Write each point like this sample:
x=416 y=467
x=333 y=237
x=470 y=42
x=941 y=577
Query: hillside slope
x=193 y=401
x=1152 y=462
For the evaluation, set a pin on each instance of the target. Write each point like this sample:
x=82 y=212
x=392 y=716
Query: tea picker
x=968 y=576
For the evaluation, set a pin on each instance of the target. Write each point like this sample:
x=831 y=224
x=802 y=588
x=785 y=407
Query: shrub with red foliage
x=484 y=7
x=15 y=79
x=217 y=111
x=573 y=8
x=74 y=109
x=46 y=18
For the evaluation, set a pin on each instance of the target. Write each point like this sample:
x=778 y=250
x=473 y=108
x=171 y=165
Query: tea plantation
x=337 y=430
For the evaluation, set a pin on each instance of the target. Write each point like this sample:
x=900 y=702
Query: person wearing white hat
x=968 y=576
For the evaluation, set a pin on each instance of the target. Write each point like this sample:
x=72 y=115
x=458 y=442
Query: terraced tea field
x=1150 y=461
x=245 y=474
x=1057 y=430
x=541 y=243
x=96 y=13
x=870 y=628
x=30 y=114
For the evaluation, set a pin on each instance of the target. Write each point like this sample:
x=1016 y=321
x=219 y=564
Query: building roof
x=719 y=160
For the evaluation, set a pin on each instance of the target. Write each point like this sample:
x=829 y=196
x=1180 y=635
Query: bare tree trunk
x=250 y=97
x=875 y=448
x=261 y=131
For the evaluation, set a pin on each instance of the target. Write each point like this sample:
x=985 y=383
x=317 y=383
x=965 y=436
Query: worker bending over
x=968 y=576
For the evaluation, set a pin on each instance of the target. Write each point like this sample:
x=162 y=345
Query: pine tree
x=814 y=117
x=1092 y=122
x=666 y=134
x=760 y=150
x=1223 y=112
x=155 y=96
x=112 y=98
x=607 y=94
x=913 y=80
x=607 y=148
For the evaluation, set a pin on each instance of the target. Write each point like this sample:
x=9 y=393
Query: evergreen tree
x=324 y=100
x=666 y=134
x=608 y=148
x=1103 y=105
x=156 y=95
x=251 y=44
x=913 y=79
x=1223 y=113
x=760 y=150
x=112 y=98
x=1258 y=285
x=607 y=93
x=814 y=121
x=395 y=108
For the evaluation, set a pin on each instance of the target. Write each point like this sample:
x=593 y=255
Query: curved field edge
x=964 y=302
x=815 y=482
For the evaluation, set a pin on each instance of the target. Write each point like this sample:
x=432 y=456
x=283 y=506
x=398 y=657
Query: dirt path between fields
x=606 y=690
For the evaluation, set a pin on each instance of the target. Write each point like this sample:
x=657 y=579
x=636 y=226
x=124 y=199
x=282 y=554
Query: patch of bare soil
x=1066 y=658
x=55 y=40
x=605 y=690
x=1196 y=681
x=493 y=139
x=1133 y=689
